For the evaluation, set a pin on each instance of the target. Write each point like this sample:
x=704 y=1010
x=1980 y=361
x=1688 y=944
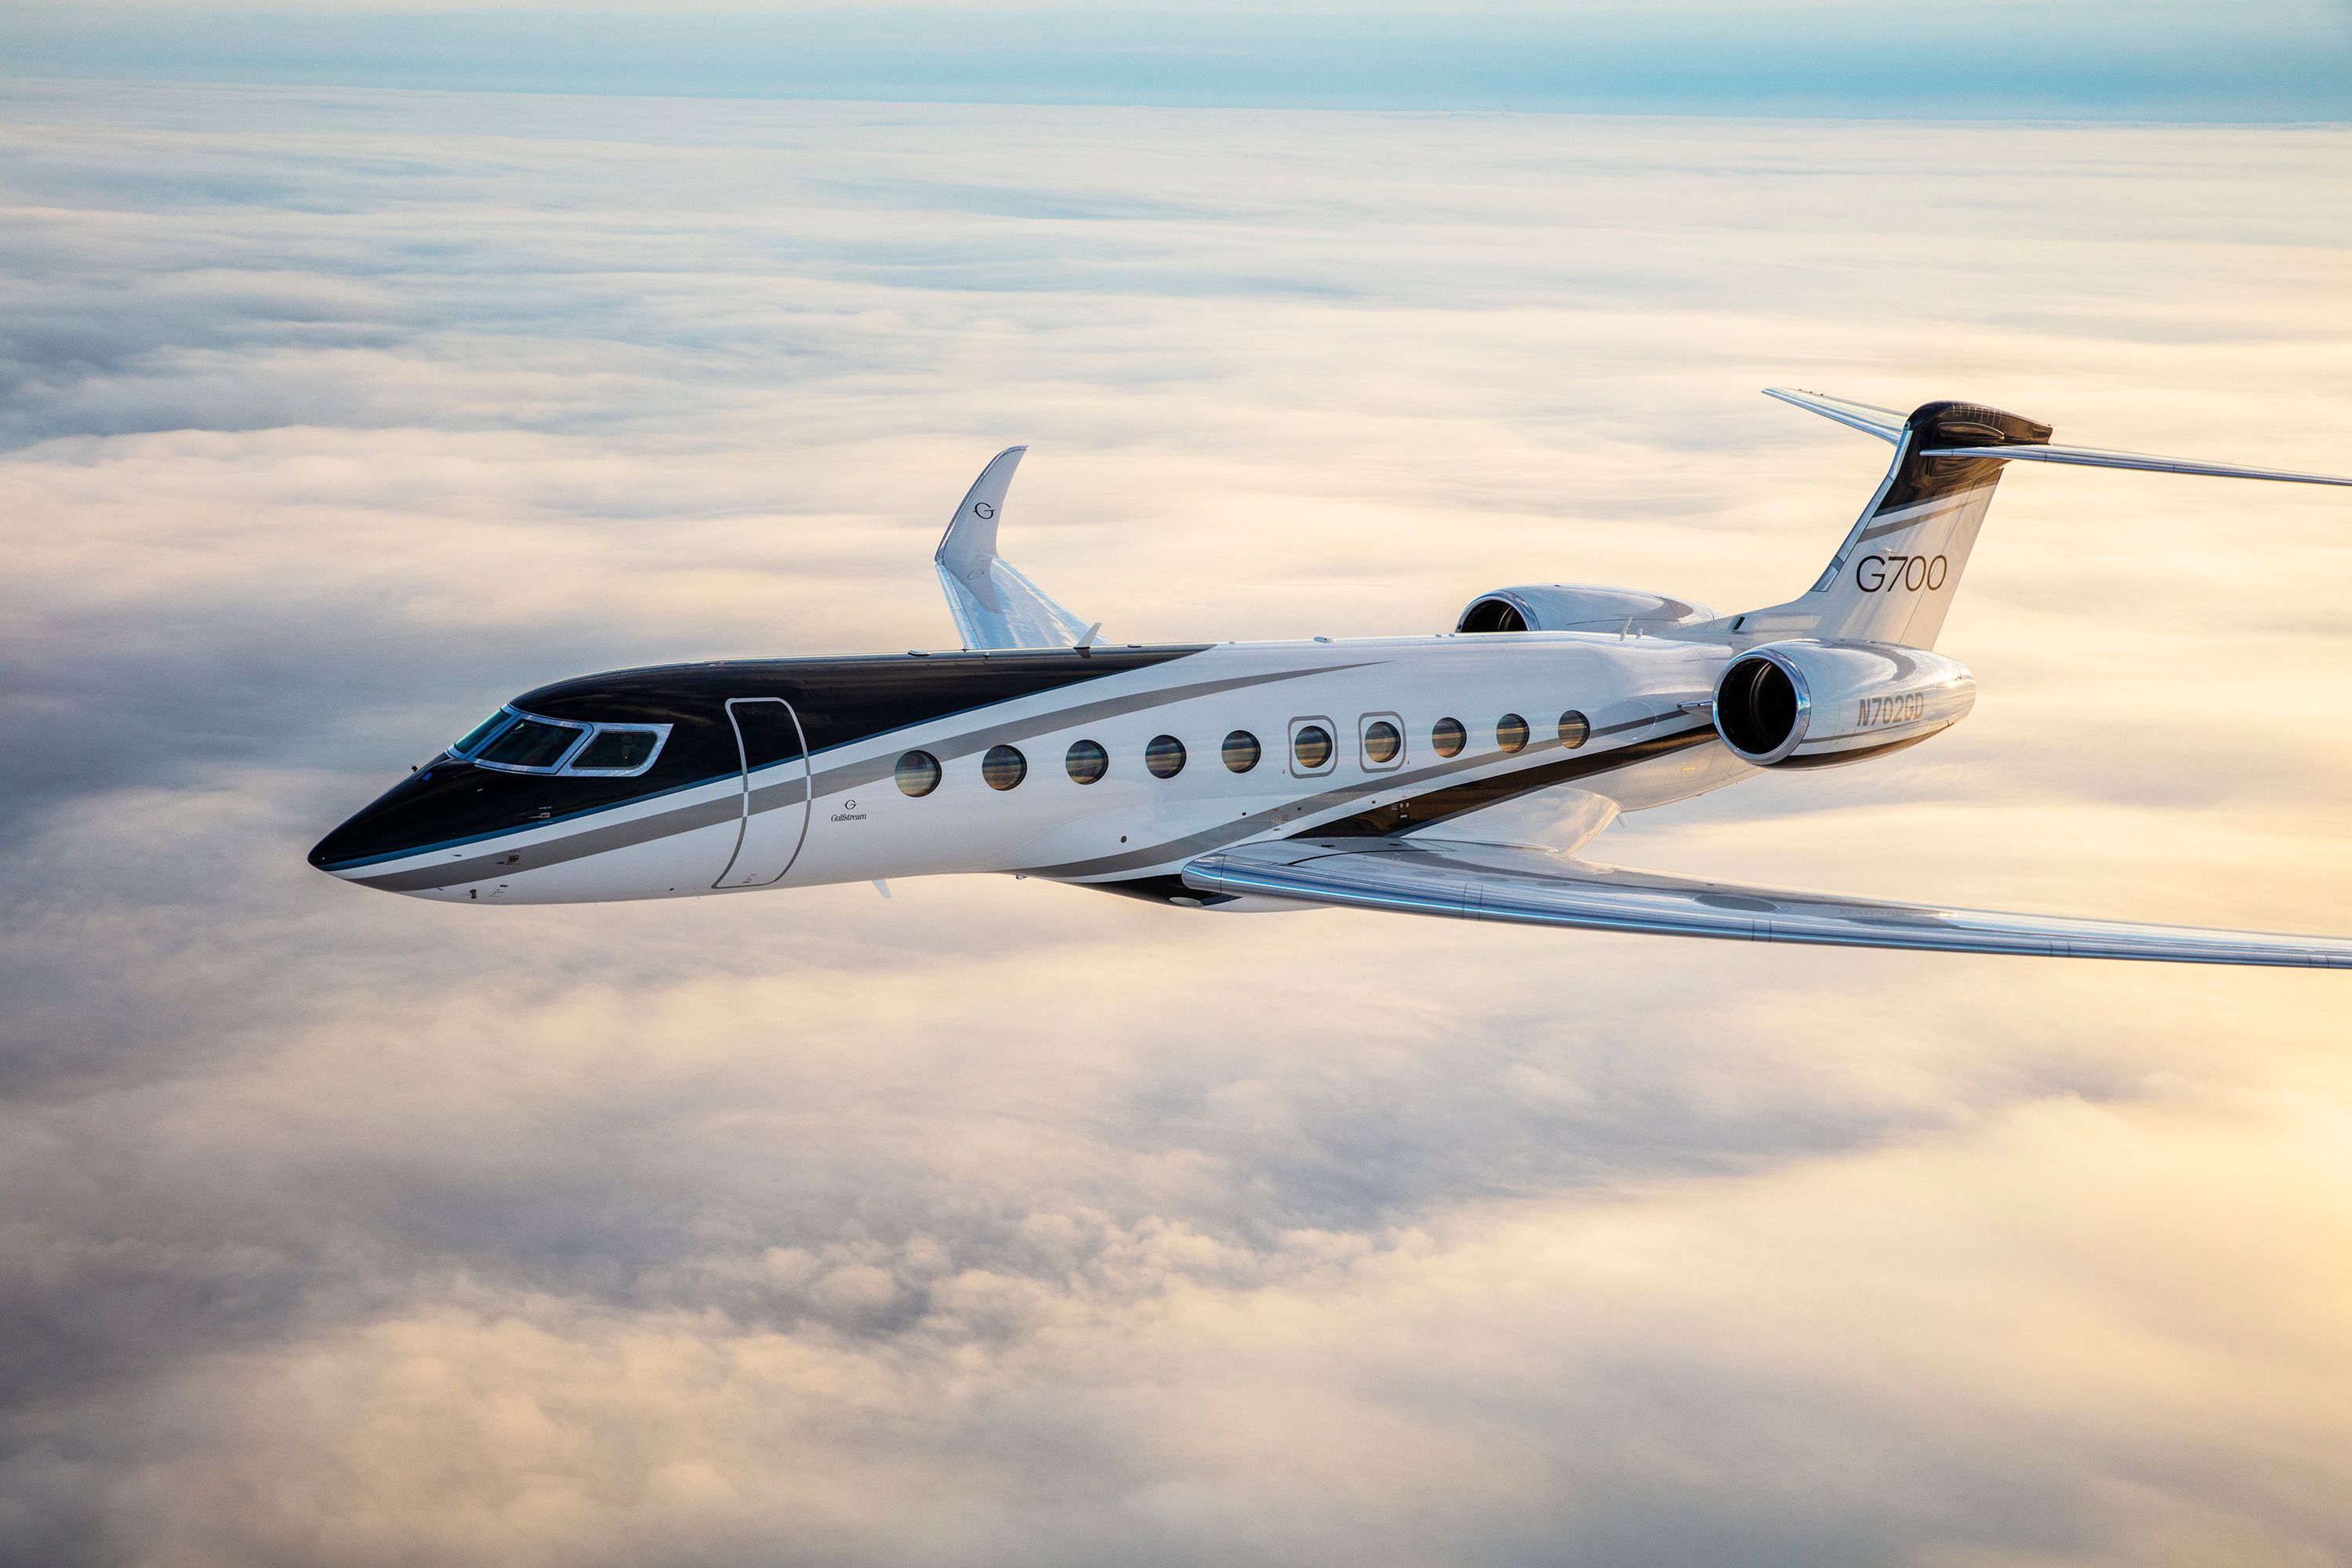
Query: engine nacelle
x=1808 y=704
x=1572 y=607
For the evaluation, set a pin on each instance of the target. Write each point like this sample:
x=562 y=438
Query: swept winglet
x=993 y=605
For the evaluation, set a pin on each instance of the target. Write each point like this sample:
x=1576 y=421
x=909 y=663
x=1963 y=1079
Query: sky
x=2101 y=60
x=1005 y=1223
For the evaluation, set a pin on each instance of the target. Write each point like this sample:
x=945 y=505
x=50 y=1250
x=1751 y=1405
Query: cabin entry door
x=774 y=750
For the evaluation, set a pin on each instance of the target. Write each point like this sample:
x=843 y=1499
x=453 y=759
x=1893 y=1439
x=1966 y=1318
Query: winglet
x=970 y=543
x=993 y=605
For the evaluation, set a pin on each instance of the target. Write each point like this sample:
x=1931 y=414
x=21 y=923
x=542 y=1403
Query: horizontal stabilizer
x=1886 y=424
x=1894 y=578
x=1537 y=886
x=2091 y=458
x=993 y=605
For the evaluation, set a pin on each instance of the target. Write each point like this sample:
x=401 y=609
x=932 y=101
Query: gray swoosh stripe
x=791 y=792
x=1644 y=722
x=593 y=841
x=1294 y=812
x=1944 y=506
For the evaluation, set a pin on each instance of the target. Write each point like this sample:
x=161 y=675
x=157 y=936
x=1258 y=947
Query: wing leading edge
x=1464 y=881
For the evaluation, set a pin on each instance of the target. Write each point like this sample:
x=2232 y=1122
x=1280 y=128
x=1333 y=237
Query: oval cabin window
x=1311 y=746
x=1004 y=767
x=1087 y=762
x=1241 y=752
x=1447 y=737
x=1511 y=733
x=1574 y=730
x=1164 y=757
x=1382 y=742
x=918 y=772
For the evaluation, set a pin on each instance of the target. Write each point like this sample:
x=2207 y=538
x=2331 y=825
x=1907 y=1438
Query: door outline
x=743 y=774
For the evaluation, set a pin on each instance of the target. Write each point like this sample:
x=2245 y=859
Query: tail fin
x=1894 y=578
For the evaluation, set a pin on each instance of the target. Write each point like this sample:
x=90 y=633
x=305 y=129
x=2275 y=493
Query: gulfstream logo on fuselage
x=1883 y=573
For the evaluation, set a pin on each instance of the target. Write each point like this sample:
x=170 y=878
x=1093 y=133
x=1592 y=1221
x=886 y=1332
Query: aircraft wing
x=1527 y=886
x=993 y=605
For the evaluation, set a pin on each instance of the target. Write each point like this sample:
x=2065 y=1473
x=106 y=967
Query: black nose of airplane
x=371 y=833
x=421 y=812
x=446 y=804
x=335 y=849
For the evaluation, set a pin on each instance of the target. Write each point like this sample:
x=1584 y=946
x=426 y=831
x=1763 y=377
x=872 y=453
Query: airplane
x=1455 y=775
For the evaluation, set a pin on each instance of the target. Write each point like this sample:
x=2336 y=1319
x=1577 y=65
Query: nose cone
x=422 y=812
x=336 y=848
x=371 y=833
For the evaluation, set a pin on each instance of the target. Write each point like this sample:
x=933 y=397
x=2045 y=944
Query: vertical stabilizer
x=1894 y=578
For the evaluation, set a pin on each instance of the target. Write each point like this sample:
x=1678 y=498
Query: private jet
x=1458 y=774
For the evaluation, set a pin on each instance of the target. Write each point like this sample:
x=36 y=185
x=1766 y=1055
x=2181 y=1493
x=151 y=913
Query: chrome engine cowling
x=1808 y=704
x=1573 y=607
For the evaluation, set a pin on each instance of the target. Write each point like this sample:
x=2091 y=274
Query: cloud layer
x=1013 y=1224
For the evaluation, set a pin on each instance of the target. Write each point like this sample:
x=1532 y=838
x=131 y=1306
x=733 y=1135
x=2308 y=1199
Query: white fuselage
x=839 y=814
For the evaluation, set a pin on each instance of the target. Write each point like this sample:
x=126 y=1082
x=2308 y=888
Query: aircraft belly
x=1676 y=777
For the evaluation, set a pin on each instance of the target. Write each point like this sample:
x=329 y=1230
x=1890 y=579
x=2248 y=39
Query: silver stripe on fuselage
x=1351 y=797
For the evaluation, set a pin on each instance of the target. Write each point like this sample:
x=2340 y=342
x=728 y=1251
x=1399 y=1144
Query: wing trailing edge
x=993 y=605
x=1462 y=881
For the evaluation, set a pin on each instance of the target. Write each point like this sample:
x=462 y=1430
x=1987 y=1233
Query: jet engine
x=1809 y=704
x=1572 y=607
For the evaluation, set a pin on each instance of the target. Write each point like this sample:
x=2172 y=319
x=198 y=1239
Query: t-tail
x=1894 y=578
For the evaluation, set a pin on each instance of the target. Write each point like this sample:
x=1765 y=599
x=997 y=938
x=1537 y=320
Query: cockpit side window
x=481 y=732
x=619 y=749
x=537 y=745
x=512 y=741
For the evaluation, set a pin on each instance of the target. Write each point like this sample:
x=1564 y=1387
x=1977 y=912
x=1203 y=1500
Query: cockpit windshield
x=481 y=732
x=510 y=741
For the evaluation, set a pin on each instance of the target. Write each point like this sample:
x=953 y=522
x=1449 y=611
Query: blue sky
x=2064 y=59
